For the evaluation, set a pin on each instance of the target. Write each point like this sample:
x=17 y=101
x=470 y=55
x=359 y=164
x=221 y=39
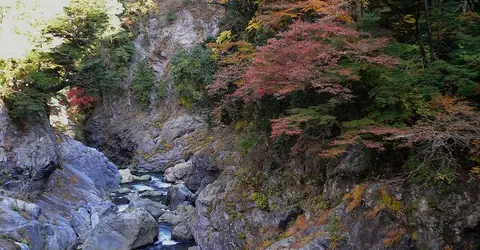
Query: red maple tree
x=80 y=99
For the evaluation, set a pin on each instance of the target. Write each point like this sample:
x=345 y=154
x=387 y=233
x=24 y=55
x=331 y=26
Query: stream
x=156 y=190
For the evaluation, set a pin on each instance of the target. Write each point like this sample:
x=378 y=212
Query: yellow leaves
x=186 y=103
x=355 y=197
x=240 y=82
x=278 y=14
x=410 y=19
x=476 y=172
x=224 y=37
x=387 y=202
x=253 y=25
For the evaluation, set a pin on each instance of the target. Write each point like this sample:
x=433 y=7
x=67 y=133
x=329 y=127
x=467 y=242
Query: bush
x=143 y=84
x=192 y=70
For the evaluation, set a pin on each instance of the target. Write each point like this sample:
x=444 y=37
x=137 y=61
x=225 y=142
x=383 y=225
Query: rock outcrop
x=123 y=231
x=179 y=195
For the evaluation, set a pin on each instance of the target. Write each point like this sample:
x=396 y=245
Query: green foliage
x=260 y=200
x=192 y=71
x=93 y=55
x=27 y=107
x=143 y=84
x=171 y=16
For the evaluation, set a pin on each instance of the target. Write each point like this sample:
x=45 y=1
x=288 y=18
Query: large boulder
x=180 y=219
x=126 y=175
x=123 y=231
x=177 y=172
x=202 y=172
x=87 y=217
x=182 y=232
x=91 y=163
x=179 y=195
x=156 y=209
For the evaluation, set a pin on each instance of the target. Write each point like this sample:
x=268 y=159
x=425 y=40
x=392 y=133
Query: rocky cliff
x=224 y=203
x=54 y=189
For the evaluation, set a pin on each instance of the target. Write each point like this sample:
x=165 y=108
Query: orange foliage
x=394 y=236
x=354 y=197
x=300 y=224
x=277 y=14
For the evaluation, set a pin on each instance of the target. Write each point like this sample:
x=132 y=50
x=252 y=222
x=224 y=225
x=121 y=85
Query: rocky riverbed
x=148 y=191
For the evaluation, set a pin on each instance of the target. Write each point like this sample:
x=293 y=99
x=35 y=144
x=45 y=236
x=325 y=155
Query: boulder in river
x=179 y=195
x=156 y=209
x=123 y=231
x=182 y=232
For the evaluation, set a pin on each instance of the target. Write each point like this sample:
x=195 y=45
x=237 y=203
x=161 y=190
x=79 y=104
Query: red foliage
x=78 y=98
x=286 y=126
x=308 y=55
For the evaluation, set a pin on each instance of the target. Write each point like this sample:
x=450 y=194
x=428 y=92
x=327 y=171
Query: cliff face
x=149 y=140
x=44 y=176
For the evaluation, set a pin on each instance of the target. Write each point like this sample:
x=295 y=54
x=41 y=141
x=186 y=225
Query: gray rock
x=59 y=237
x=124 y=191
x=202 y=172
x=318 y=243
x=183 y=214
x=352 y=163
x=282 y=244
x=92 y=163
x=178 y=195
x=180 y=126
x=27 y=158
x=142 y=178
x=18 y=205
x=211 y=225
x=181 y=232
x=123 y=231
x=156 y=209
x=178 y=172
x=126 y=175
x=81 y=222
x=86 y=218
x=171 y=217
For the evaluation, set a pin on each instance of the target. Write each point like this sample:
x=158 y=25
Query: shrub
x=192 y=71
x=143 y=84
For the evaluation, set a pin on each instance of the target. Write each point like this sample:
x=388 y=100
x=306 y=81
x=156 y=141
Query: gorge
x=238 y=124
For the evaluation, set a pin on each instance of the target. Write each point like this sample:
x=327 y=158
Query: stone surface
x=27 y=158
x=90 y=162
x=123 y=231
x=177 y=172
x=178 y=195
x=181 y=232
x=156 y=209
x=19 y=205
x=202 y=172
x=126 y=175
x=183 y=214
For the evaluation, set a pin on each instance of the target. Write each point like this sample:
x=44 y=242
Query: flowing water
x=156 y=190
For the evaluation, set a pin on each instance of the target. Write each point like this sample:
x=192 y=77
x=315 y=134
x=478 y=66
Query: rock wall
x=153 y=139
x=49 y=175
